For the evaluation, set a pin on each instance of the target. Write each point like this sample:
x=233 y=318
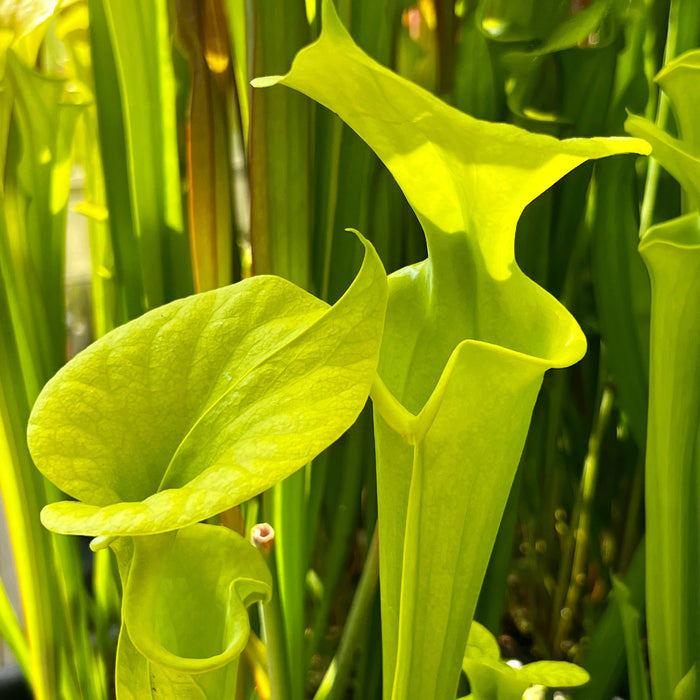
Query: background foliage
x=193 y=181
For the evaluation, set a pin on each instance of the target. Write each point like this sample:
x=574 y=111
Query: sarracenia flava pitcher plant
x=207 y=401
x=671 y=252
x=467 y=340
x=182 y=414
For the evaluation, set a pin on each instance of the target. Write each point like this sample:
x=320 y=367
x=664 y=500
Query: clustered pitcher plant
x=201 y=404
x=466 y=343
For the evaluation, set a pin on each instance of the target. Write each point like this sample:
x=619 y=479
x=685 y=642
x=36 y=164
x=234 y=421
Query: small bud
x=262 y=536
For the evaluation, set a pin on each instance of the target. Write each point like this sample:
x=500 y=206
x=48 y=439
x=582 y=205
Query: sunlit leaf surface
x=205 y=402
x=467 y=340
x=671 y=252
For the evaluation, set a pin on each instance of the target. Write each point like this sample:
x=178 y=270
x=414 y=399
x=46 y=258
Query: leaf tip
x=266 y=81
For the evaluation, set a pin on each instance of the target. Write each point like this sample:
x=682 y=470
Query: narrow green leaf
x=10 y=629
x=113 y=150
x=576 y=28
x=135 y=94
x=32 y=231
x=671 y=252
x=604 y=657
x=203 y=403
x=475 y=80
x=35 y=205
x=72 y=27
x=6 y=100
x=280 y=157
x=208 y=149
x=687 y=688
x=280 y=151
x=25 y=24
x=622 y=288
x=139 y=35
x=236 y=16
x=524 y=21
x=630 y=617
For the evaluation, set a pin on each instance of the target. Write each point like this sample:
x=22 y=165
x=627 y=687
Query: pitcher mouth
x=514 y=317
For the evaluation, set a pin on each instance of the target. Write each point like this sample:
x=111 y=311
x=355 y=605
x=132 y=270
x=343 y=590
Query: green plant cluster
x=255 y=530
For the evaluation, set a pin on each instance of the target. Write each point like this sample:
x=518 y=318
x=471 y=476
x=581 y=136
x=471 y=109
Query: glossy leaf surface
x=671 y=252
x=186 y=596
x=491 y=678
x=205 y=402
x=467 y=341
x=185 y=621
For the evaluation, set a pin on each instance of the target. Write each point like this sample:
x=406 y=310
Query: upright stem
x=335 y=680
x=652 y=180
x=272 y=623
x=589 y=480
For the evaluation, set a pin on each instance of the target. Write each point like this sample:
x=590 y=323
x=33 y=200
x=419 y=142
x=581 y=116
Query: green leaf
x=407 y=127
x=679 y=80
x=482 y=664
x=605 y=654
x=36 y=163
x=24 y=24
x=489 y=677
x=280 y=187
x=467 y=340
x=673 y=154
x=475 y=88
x=481 y=643
x=523 y=21
x=135 y=91
x=186 y=596
x=203 y=403
x=681 y=156
x=137 y=678
x=554 y=674
x=37 y=189
x=671 y=252
x=687 y=687
x=630 y=617
x=492 y=678
x=184 y=621
x=576 y=28
x=622 y=288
